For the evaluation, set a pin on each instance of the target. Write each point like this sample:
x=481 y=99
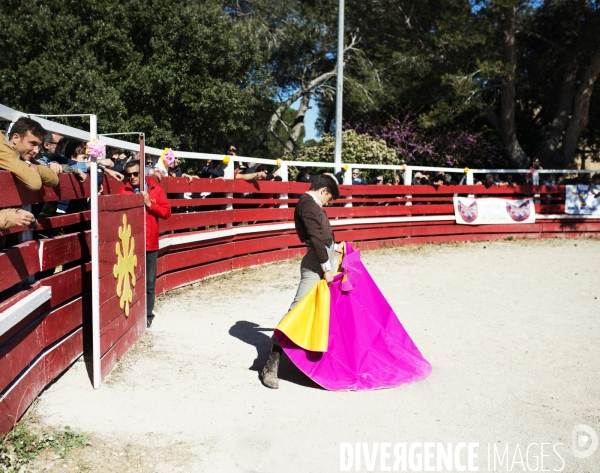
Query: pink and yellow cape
x=345 y=336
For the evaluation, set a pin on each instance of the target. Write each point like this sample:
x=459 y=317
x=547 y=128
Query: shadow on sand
x=253 y=334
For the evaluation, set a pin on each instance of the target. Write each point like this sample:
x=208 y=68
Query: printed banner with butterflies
x=491 y=210
x=582 y=199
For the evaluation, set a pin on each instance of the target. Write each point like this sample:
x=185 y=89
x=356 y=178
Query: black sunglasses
x=132 y=174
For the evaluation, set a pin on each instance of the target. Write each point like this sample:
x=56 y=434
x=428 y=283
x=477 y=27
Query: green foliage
x=359 y=149
x=179 y=70
x=20 y=446
x=406 y=48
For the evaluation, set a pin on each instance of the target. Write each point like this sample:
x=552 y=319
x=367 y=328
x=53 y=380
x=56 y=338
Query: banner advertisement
x=492 y=210
x=582 y=199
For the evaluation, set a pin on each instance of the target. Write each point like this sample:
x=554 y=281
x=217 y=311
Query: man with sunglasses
x=157 y=206
x=53 y=148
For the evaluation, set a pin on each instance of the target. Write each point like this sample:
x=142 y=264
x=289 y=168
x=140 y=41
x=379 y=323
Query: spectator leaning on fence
x=377 y=180
x=53 y=147
x=51 y=156
x=395 y=180
x=212 y=170
x=157 y=206
x=10 y=218
x=305 y=175
x=18 y=148
x=356 y=179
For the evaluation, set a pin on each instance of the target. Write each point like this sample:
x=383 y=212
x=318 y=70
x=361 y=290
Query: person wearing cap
x=417 y=179
x=314 y=230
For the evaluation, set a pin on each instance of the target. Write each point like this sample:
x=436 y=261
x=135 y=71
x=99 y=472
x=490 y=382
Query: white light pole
x=339 y=90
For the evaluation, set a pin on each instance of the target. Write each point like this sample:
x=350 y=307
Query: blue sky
x=309 y=119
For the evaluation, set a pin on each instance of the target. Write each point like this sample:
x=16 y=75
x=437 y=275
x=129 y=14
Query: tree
x=561 y=71
x=299 y=41
x=462 y=65
x=531 y=85
x=274 y=145
x=360 y=149
x=180 y=70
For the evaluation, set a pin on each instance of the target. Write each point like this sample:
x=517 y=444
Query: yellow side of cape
x=307 y=324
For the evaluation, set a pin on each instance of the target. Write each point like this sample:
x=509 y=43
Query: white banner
x=491 y=210
x=582 y=199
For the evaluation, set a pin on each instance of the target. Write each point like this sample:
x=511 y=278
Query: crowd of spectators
x=37 y=158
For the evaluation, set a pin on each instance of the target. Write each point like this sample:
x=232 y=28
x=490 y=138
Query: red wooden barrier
x=121 y=224
x=46 y=341
x=202 y=238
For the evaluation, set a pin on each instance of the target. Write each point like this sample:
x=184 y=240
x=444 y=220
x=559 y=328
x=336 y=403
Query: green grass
x=20 y=446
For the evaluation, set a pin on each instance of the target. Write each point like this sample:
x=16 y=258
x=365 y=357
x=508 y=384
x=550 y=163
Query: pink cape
x=368 y=347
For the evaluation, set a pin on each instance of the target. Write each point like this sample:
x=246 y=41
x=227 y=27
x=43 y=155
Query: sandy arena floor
x=511 y=329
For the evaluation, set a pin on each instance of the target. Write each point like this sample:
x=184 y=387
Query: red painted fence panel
x=238 y=224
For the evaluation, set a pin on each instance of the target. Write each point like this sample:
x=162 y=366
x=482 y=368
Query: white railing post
x=95 y=260
x=470 y=181
x=283 y=173
x=535 y=179
x=229 y=175
x=408 y=182
x=348 y=182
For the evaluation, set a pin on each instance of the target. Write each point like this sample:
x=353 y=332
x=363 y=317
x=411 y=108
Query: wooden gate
x=122 y=243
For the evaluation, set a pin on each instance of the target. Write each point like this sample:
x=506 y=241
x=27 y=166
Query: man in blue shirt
x=356 y=179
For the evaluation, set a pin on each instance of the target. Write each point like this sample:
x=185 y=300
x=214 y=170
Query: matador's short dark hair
x=325 y=180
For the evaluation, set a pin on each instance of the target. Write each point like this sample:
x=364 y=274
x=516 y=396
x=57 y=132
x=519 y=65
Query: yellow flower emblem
x=126 y=262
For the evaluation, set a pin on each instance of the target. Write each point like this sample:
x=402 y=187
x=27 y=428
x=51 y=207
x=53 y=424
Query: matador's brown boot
x=269 y=372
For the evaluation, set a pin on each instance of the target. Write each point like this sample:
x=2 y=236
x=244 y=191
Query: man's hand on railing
x=189 y=178
x=24 y=218
x=33 y=167
x=57 y=168
x=117 y=175
x=81 y=176
x=147 y=201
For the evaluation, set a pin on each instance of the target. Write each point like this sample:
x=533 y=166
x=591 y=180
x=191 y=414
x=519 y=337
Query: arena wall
x=217 y=226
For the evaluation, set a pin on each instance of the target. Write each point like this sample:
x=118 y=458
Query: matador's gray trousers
x=310 y=274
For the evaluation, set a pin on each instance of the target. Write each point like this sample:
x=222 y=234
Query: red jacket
x=159 y=207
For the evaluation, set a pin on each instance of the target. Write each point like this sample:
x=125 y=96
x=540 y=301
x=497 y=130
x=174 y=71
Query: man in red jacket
x=157 y=206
